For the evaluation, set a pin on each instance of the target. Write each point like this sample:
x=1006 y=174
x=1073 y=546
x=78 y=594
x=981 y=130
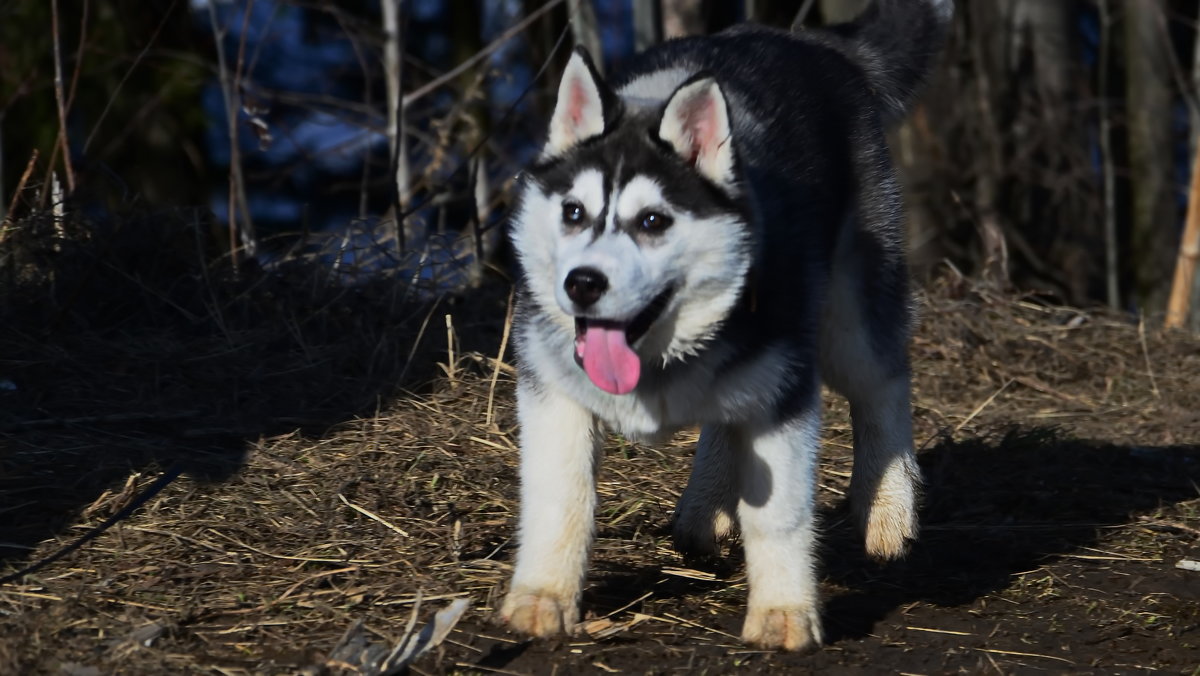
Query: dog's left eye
x=654 y=221
x=573 y=213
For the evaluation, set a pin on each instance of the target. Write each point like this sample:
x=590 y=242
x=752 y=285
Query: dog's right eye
x=573 y=213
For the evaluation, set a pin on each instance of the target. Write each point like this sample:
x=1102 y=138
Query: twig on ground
x=372 y=515
x=508 y=319
x=1146 y=356
x=417 y=342
x=979 y=409
x=451 y=360
x=1021 y=654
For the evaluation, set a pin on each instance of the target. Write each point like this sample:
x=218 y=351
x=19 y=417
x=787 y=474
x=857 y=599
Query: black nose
x=585 y=286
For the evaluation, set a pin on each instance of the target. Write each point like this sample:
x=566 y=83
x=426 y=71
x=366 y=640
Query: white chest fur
x=697 y=394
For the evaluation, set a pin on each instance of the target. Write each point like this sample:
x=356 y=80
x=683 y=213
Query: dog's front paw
x=786 y=628
x=539 y=613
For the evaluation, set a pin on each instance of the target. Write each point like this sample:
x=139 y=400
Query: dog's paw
x=699 y=533
x=783 y=628
x=889 y=525
x=539 y=613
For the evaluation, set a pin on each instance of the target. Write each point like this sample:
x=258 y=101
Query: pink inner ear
x=578 y=102
x=700 y=115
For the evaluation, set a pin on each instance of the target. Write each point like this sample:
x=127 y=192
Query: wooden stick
x=60 y=99
x=508 y=320
x=29 y=167
x=1189 y=252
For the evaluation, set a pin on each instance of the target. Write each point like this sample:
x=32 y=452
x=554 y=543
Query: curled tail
x=896 y=42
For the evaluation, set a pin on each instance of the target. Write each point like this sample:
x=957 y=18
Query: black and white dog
x=703 y=240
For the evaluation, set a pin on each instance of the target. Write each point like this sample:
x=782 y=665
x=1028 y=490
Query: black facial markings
x=602 y=218
x=632 y=143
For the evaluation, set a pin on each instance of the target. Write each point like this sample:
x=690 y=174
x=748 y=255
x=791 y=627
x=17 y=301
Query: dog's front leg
x=559 y=450
x=777 y=474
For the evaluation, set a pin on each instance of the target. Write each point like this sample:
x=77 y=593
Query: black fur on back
x=895 y=42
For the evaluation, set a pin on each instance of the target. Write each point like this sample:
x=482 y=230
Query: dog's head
x=631 y=231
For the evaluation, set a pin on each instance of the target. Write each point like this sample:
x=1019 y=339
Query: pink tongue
x=608 y=360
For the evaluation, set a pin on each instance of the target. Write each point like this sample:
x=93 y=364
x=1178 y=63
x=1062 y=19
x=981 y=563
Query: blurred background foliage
x=136 y=124
x=1052 y=152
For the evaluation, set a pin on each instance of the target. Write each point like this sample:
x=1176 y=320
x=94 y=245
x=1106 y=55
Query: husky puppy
x=703 y=240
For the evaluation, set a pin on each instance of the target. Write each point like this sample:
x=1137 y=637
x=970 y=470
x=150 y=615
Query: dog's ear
x=696 y=123
x=585 y=107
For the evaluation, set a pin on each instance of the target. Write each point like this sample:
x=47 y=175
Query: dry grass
x=329 y=480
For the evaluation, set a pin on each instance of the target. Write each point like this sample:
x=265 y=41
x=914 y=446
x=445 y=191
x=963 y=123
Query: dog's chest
x=696 y=394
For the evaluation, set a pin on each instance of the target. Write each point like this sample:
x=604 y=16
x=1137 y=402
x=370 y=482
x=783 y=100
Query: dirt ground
x=340 y=459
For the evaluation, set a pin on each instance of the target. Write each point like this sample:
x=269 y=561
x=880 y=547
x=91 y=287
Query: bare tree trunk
x=1181 y=300
x=1111 y=270
x=1149 y=108
x=3 y=206
x=393 y=64
x=1043 y=54
x=988 y=39
x=585 y=30
x=681 y=18
x=754 y=9
x=647 y=24
x=841 y=11
x=1194 y=311
x=1194 y=116
x=1043 y=28
x=914 y=144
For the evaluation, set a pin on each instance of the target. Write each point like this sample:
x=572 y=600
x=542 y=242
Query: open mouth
x=602 y=347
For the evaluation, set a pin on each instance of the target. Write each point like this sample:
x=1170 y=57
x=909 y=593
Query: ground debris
x=356 y=654
x=141 y=637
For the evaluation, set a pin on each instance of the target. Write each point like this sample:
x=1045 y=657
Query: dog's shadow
x=995 y=508
x=992 y=508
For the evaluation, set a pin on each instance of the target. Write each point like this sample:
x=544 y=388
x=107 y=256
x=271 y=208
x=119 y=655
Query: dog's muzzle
x=604 y=347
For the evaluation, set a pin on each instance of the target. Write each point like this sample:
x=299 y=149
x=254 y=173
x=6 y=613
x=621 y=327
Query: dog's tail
x=896 y=43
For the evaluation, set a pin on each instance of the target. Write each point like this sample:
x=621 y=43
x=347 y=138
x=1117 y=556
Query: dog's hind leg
x=559 y=451
x=886 y=479
x=706 y=511
x=776 y=512
x=865 y=358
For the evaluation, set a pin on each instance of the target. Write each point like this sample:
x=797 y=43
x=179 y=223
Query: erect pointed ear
x=585 y=106
x=696 y=123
